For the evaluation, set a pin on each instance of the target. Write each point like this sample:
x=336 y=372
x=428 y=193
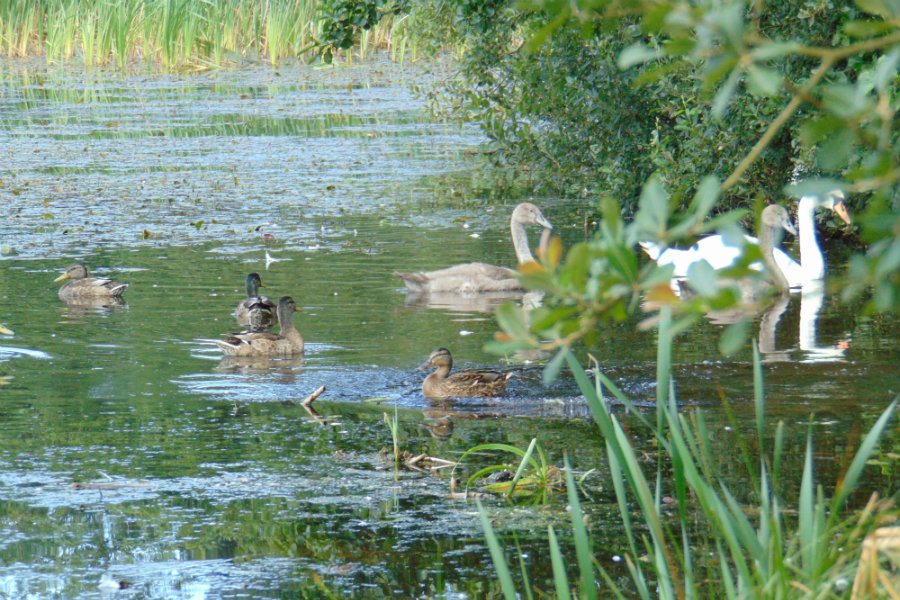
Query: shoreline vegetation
x=188 y=35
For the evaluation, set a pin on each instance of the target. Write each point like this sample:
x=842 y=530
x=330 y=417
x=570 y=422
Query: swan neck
x=811 y=261
x=520 y=241
x=767 y=246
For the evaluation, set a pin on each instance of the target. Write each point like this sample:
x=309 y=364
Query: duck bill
x=424 y=366
x=6 y=331
x=62 y=277
x=841 y=209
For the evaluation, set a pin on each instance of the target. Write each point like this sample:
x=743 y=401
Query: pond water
x=131 y=451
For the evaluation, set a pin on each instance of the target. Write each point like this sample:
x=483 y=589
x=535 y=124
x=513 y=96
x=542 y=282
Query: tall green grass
x=174 y=33
x=807 y=545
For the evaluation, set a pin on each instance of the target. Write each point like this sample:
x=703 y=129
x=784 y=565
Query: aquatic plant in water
x=757 y=551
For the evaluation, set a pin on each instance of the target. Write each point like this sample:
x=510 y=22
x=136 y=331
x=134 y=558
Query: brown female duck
x=255 y=312
x=81 y=285
x=465 y=383
x=260 y=343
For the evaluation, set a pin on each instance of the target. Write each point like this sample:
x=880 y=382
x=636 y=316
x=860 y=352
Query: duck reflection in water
x=286 y=366
x=78 y=308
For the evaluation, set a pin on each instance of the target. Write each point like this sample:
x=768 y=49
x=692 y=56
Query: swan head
x=528 y=214
x=775 y=216
x=833 y=200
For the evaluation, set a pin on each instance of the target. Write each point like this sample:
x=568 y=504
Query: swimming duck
x=716 y=250
x=255 y=312
x=260 y=343
x=80 y=285
x=466 y=383
x=472 y=278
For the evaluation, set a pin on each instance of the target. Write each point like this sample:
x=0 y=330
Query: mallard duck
x=255 y=312
x=719 y=253
x=471 y=278
x=82 y=285
x=260 y=343
x=465 y=383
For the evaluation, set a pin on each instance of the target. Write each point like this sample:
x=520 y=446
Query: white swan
x=476 y=277
x=716 y=250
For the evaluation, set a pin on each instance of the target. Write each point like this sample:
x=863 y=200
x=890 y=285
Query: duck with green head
x=255 y=312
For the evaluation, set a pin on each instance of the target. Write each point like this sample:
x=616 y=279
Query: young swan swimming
x=472 y=278
x=255 y=312
x=81 y=285
x=260 y=343
x=466 y=383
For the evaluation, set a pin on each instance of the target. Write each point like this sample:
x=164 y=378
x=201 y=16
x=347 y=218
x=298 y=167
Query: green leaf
x=702 y=278
x=707 y=195
x=726 y=92
x=886 y=70
x=869 y=443
x=500 y=566
x=867 y=29
x=636 y=54
x=560 y=580
x=583 y=552
x=887 y=9
x=730 y=20
x=539 y=38
x=817 y=129
x=834 y=154
x=733 y=337
x=817 y=186
x=653 y=211
x=773 y=50
x=762 y=81
x=551 y=371
x=511 y=320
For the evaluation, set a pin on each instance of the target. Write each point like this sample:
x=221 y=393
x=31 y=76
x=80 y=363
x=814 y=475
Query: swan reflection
x=806 y=348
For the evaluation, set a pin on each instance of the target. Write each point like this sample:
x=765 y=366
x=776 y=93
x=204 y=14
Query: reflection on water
x=133 y=451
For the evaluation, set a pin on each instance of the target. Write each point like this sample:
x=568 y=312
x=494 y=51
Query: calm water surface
x=130 y=450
